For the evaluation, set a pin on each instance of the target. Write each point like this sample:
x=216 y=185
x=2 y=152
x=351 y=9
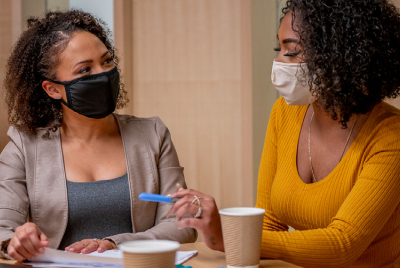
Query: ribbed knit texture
x=351 y=218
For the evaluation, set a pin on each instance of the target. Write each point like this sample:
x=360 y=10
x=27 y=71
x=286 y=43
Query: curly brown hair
x=35 y=58
x=351 y=50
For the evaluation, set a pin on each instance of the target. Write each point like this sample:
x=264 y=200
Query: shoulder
x=20 y=139
x=384 y=127
x=150 y=126
x=284 y=115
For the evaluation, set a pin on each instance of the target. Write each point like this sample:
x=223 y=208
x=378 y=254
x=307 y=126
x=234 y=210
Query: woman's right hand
x=208 y=223
x=28 y=242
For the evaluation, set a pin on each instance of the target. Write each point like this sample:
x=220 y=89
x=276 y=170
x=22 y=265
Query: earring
x=58 y=97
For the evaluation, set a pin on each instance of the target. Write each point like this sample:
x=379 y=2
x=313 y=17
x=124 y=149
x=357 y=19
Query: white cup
x=242 y=231
x=149 y=253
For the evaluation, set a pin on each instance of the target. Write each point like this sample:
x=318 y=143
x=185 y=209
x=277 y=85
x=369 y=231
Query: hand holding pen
x=187 y=201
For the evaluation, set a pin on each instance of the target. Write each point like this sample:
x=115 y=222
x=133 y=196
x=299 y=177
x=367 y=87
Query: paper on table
x=109 y=258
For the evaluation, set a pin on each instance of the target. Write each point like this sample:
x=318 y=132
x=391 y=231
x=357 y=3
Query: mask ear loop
x=66 y=91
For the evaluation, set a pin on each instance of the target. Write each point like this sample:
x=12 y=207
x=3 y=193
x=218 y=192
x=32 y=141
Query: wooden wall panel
x=5 y=47
x=191 y=65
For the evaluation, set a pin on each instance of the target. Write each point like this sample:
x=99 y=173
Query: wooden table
x=208 y=258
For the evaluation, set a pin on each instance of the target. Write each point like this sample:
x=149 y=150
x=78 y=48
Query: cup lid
x=149 y=246
x=242 y=211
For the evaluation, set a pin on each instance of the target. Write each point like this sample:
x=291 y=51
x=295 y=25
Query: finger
x=43 y=237
x=14 y=254
x=34 y=237
x=179 y=186
x=184 y=192
x=19 y=248
x=77 y=246
x=93 y=246
x=178 y=204
x=188 y=208
x=44 y=242
x=26 y=244
x=192 y=223
x=104 y=245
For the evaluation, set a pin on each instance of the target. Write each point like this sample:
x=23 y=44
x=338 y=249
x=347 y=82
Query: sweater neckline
x=349 y=152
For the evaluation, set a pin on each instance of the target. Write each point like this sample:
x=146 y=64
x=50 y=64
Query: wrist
x=113 y=244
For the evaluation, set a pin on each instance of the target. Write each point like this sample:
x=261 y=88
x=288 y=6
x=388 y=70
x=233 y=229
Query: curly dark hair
x=352 y=51
x=35 y=58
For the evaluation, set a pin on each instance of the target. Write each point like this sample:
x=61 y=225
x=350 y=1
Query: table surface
x=206 y=258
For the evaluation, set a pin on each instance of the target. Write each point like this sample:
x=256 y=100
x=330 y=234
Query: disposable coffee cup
x=149 y=253
x=242 y=231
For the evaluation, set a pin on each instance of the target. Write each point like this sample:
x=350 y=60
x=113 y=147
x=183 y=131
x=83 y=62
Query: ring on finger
x=196 y=199
x=95 y=240
x=198 y=214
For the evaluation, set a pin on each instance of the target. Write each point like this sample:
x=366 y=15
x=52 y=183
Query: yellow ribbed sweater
x=351 y=218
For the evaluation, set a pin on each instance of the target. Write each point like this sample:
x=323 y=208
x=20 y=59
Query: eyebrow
x=85 y=61
x=290 y=40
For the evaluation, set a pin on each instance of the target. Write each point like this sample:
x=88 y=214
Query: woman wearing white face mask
x=331 y=161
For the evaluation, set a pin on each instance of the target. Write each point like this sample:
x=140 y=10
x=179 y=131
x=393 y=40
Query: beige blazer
x=33 y=183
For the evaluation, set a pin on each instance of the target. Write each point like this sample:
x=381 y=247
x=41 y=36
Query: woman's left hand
x=89 y=245
x=208 y=222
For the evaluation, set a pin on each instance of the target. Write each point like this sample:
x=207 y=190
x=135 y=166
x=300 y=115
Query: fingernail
x=71 y=249
x=169 y=213
x=178 y=185
x=168 y=195
x=41 y=250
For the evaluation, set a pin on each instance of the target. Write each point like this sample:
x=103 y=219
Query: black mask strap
x=66 y=91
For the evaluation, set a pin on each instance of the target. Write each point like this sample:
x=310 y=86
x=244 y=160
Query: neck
x=324 y=121
x=79 y=127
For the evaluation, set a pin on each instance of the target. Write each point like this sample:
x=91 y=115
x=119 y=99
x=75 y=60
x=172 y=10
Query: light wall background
x=203 y=66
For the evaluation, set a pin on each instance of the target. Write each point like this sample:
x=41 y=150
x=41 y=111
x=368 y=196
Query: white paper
x=109 y=258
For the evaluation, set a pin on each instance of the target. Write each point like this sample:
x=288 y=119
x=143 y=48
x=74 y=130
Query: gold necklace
x=309 y=145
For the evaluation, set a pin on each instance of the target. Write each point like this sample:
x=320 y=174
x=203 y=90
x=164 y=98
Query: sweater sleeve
x=266 y=175
x=367 y=208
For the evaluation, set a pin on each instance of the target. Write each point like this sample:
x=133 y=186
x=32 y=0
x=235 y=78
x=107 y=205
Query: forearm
x=328 y=247
x=167 y=230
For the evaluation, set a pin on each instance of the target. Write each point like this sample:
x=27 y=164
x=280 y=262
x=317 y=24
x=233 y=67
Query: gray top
x=97 y=209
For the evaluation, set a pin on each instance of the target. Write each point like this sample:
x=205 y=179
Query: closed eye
x=292 y=54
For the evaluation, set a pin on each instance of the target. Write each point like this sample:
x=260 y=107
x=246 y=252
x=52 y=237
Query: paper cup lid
x=149 y=246
x=242 y=211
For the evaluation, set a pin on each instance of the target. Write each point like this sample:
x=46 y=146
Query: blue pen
x=157 y=198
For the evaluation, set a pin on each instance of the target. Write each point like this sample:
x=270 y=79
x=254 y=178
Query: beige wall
x=264 y=18
x=10 y=24
x=191 y=65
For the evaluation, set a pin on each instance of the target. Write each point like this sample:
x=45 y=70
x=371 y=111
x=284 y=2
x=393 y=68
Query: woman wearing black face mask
x=72 y=167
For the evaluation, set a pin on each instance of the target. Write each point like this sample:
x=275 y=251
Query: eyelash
x=107 y=61
x=288 y=54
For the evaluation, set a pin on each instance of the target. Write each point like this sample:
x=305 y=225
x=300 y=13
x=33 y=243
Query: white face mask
x=284 y=79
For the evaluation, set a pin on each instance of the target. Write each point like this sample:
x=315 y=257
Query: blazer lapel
x=50 y=209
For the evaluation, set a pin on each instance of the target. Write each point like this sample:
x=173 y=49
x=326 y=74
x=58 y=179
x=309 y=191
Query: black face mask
x=93 y=96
